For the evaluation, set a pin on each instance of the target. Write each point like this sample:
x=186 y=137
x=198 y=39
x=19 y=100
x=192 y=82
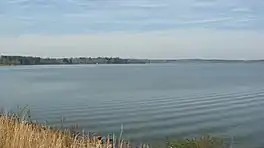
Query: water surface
x=151 y=101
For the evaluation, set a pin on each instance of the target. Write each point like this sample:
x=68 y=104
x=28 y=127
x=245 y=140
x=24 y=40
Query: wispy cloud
x=77 y=15
x=241 y=10
x=214 y=20
x=62 y=18
x=210 y=3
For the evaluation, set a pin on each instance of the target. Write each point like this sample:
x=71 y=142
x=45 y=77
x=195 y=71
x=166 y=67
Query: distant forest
x=27 y=60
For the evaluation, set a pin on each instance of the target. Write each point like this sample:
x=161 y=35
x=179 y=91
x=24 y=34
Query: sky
x=223 y=29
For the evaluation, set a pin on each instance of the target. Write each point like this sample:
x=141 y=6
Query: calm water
x=151 y=101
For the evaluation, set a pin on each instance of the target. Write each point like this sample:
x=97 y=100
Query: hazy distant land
x=29 y=60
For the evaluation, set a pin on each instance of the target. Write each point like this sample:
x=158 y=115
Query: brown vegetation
x=16 y=134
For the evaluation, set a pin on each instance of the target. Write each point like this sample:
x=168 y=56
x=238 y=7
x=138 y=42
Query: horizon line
x=167 y=59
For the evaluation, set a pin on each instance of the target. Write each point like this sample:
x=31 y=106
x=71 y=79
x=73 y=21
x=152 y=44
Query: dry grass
x=16 y=134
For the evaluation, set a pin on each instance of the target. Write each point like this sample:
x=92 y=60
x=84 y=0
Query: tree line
x=29 y=60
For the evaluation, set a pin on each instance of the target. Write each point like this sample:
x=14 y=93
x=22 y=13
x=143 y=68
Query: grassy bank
x=15 y=133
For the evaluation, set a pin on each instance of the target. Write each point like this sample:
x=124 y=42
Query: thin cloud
x=77 y=16
x=204 y=4
x=144 y=5
x=246 y=20
x=241 y=10
x=208 y=21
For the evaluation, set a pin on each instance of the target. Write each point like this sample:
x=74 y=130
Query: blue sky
x=231 y=29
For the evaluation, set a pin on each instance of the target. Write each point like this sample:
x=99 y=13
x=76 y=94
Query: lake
x=151 y=101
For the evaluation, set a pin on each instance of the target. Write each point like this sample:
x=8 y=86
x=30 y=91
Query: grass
x=15 y=132
x=202 y=142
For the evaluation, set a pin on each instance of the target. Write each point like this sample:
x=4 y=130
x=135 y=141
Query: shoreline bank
x=18 y=133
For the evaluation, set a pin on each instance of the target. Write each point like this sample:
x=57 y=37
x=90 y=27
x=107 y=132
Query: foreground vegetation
x=17 y=132
x=202 y=142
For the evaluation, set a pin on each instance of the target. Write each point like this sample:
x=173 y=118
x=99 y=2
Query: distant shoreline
x=27 y=60
x=5 y=65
